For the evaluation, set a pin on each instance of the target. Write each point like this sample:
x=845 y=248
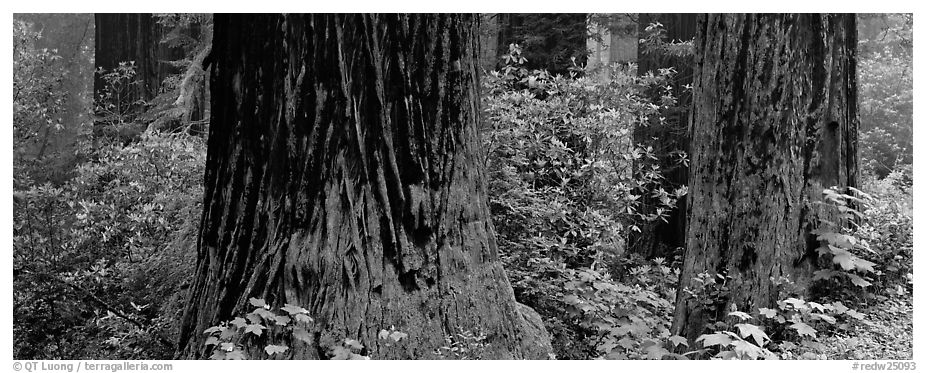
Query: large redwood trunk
x=343 y=176
x=774 y=122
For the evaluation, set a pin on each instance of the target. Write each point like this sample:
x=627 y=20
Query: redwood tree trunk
x=342 y=176
x=774 y=122
x=123 y=37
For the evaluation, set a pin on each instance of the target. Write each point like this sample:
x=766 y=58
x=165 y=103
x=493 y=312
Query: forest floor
x=886 y=333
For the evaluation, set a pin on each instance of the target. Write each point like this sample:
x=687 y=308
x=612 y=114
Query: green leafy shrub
x=565 y=186
x=265 y=334
x=840 y=249
x=742 y=341
x=885 y=77
x=787 y=331
x=118 y=233
x=654 y=42
x=888 y=230
x=463 y=345
x=39 y=106
x=551 y=41
x=116 y=104
x=872 y=246
x=37 y=81
x=626 y=319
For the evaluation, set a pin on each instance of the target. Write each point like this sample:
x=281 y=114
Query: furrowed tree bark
x=342 y=176
x=774 y=123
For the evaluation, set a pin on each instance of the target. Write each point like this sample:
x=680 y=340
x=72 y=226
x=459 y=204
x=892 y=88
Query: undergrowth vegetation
x=97 y=255
x=101 y=258
x=864 y=262
x=566 y=183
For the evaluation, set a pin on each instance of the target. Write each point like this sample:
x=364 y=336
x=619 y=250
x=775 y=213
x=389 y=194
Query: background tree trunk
x=775 y=121
x=488 y=41
x=658 y=238
x=612 y=39
x=72 y=36
x=123 y=37
x=154 y=47
x=624 y=39
x=342 y=177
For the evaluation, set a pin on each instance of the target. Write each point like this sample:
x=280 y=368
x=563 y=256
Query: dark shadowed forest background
x=633 y=214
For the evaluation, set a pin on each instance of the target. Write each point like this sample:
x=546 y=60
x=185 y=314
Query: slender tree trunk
x=774 y=122
x=343 y=176
x=659 y=238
